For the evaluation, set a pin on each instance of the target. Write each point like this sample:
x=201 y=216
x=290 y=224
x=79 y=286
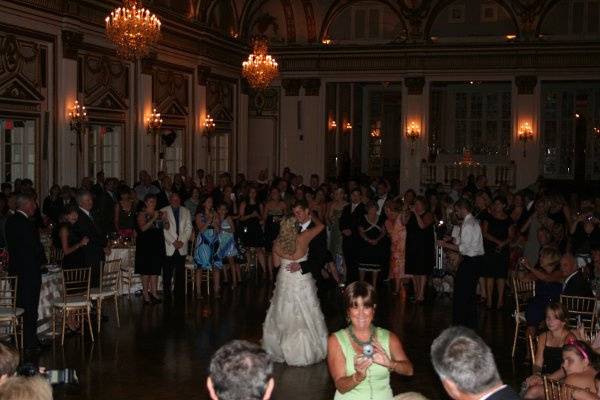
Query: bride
x=294 y=330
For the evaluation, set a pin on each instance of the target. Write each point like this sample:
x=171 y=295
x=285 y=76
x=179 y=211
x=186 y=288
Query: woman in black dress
x=273 y=212
x=497 y=230
x=150 y=247
x=66 y=241
x=125 y=215
x=372 y=249
x=251 y=233
x=420 y=246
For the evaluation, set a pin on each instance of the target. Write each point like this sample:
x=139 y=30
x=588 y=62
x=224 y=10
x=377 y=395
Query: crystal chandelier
x=260 y=69
x=132 y=29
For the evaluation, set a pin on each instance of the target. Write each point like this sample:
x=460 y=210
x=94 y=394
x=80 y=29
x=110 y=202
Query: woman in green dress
x=362 y=356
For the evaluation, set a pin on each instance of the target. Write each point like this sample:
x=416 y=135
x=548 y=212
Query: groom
x=317 y=249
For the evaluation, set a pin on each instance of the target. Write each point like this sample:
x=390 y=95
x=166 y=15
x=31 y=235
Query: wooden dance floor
x=162 y=352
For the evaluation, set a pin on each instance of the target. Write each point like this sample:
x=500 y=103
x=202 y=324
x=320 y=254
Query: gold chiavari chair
x=581 y=310
x=532 y=344
x=9 y=312
x=109 y=289
x=190 y=274
x=555 y=390
x=74 y=301
x=524 y=292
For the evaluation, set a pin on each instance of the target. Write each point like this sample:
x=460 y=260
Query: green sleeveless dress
x=376 y=386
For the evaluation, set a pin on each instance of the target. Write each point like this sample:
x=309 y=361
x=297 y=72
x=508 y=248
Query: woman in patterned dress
x=227 y=246
x=396 y=230
x=206 y=253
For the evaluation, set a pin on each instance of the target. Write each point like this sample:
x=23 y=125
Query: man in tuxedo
x=466 y=367
x=25 y=261
x=317 y=249
x=349 y=222
x=86 y=226
x=575 y=283
x=176 y=238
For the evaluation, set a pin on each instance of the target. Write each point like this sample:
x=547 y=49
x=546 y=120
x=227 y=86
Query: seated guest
x=240 y=371
x=125 y=213
x=26 y=388
x=575 y=283
x=466 y=367
x=9 y=361
x=548 y=285
x=380 y=351
x=548 y=358
x=577 y=371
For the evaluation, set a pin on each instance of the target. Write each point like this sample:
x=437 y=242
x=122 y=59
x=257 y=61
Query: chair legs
x=98 y=314
x=90 y=322
x=117 y=310
x=514 y=346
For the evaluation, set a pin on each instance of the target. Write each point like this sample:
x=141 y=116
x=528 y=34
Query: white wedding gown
x=294 y=330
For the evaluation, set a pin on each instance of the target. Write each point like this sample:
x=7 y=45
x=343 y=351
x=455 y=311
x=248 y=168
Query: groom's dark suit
x=317 y=254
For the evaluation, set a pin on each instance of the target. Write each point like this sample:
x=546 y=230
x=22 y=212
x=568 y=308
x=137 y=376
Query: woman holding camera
x=362 y=356
x=150 y=250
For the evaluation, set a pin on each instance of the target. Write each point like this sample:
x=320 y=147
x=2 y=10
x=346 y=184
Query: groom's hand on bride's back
x=294 y=267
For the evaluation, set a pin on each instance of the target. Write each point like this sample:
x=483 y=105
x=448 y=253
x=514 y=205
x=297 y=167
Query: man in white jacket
x=176 y=238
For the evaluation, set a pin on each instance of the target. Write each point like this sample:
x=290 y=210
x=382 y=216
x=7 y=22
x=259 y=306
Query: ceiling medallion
x=132 y=29
x=260 y=69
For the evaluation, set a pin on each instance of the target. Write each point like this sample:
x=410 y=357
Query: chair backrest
x=111 y=273
x=76 y=283
x=555 y=390
x=55 y=256
x=524 y=291
x=532 y=342
x=8 y=292
x=581 y=309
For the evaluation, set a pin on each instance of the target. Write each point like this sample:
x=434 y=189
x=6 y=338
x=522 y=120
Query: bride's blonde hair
x=288 y=232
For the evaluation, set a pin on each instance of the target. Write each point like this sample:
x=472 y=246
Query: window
x=173 y=154
x=471 y=116
x=457 y=13
x=561 y=141
x=489 y=12
x=104 y=150
x=585 y=17
x=18 y=144
x=219 y=153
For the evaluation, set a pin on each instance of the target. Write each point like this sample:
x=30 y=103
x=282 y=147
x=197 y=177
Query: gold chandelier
x=132 y=29
x=260 y=69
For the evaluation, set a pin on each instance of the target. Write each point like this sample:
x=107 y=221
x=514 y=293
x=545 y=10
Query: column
x=414 y=114
x=526 y=156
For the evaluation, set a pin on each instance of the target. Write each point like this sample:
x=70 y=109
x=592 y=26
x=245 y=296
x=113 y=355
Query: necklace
x=360 y=342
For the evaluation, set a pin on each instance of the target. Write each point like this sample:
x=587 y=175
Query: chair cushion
x=78 y=301
x=95 y=293
x=7 y=313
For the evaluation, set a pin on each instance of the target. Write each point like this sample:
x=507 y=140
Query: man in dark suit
x=575 y=283
x=317 y=249
x=466 y=367
x=86 y=226
x=25 y=261
x=349 y=222
x=104 y=206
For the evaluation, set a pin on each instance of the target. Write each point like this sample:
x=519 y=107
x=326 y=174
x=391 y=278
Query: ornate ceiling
x=309 y=21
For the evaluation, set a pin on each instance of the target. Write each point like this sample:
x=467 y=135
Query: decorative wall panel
x=21 y=68
x=170 y=92
x=105 y=82
x=220 y=103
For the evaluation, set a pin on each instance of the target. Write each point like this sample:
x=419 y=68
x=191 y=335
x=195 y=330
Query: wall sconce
x=153 y=122
x=412 y=133
x=596 y=131
x=525 y=134
x=78 y=118
x=375 y=133
x=209 y=124
x=332 y=126
x=347 y=126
